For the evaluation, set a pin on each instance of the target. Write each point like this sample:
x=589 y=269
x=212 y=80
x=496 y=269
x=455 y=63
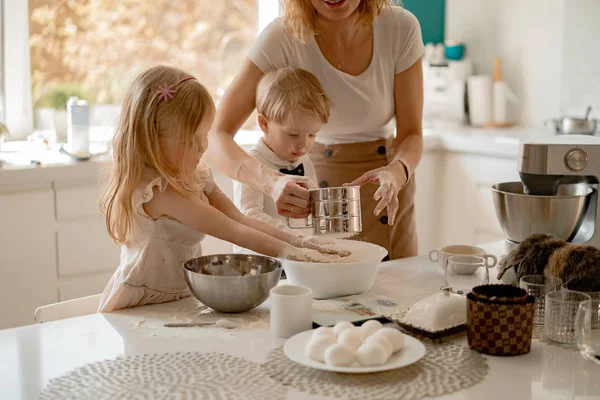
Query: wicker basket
x=499 y=327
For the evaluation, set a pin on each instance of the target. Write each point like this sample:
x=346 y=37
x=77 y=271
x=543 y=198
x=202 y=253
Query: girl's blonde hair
x=146 y=116
x=300 y=16
x=286 y=89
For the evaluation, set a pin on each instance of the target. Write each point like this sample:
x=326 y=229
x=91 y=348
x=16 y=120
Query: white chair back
x=68 y=309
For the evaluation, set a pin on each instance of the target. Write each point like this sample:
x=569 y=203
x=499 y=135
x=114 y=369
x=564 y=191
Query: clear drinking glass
x=538 y=286
x=587 y=329
x=463 y=273
x=560 y=314
x=593 y=296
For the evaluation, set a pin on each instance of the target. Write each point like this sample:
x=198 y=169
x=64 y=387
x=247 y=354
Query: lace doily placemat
x=167 y=376
x=446 y=368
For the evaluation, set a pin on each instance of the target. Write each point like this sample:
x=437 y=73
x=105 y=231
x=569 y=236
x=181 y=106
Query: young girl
x=160 y=201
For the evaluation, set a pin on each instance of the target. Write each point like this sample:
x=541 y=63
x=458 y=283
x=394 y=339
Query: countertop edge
x=494 y=143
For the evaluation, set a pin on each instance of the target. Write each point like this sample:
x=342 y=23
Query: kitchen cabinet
x=27 y=255
x=84 y=247
x=84 y=285
x=468 y=214
x=427 y=209
x=53 y=247
x=86 y=255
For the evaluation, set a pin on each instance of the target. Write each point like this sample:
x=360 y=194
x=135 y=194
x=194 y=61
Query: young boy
x=292 y=107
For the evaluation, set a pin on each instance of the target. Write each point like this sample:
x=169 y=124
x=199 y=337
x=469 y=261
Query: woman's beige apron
x=343 y=163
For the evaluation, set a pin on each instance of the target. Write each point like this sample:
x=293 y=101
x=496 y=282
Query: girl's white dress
x=150 y=270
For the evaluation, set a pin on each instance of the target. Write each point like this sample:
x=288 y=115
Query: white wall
x=527 y=35
x=581 y=57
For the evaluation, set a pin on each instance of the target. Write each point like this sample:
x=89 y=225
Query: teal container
x=455 y=51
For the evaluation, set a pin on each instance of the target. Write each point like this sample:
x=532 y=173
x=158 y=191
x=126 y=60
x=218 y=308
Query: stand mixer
x=558 y=192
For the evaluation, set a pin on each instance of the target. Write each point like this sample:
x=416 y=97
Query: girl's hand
x=316 y=240
x=308 y=255
x=322 y=246
x=291 y=195
x=391 y=179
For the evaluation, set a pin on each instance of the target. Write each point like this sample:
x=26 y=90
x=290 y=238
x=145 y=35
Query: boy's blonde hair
x=300 y=16
x=146 y=116
x=284 y=90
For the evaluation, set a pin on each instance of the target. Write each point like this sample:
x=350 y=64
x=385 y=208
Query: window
x=95 y=48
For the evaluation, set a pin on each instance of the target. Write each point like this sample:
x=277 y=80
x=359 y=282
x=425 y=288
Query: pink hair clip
x=166 y=92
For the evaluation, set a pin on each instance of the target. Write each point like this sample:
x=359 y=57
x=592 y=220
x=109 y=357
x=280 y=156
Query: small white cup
x=291 y=310
x=441 y=256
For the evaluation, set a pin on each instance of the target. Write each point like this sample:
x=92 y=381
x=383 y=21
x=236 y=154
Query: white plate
x=295 y=350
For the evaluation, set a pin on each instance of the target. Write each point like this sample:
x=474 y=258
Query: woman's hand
x=291 y=195
x=391 y=179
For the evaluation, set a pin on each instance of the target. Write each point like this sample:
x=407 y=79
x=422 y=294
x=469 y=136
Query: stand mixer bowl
x=522 y=215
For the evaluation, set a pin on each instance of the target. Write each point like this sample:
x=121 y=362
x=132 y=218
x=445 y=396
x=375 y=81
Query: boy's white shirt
x=256 y=204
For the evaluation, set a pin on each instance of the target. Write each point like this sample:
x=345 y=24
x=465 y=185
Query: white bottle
x=78 y=126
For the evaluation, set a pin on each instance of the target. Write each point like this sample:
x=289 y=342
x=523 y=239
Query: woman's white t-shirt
x=363 y=106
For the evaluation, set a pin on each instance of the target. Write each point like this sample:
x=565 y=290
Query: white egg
x=323 y=331
x=381 y=341
x=339 y=355
x=351 y=338
x=371 y=355
x=370 y=327
x=316 y=347
x=394 y=336
x=342 y=326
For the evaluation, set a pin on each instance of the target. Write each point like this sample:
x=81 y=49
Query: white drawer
x=84 y=247
x=82 y=286
x=77 y=201
x=486 y=170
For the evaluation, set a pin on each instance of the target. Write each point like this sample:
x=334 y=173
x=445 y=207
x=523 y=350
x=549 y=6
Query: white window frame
x=16 y=61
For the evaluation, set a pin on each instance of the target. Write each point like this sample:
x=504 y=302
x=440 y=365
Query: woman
x=367 y=56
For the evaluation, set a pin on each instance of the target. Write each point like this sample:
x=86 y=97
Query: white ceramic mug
x=291 y=310
x=441 y=256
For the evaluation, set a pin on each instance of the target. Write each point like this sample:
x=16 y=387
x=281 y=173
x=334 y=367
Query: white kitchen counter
x=19 y=174
x=34 y=354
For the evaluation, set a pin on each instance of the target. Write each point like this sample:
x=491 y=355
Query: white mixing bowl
x=329 y=280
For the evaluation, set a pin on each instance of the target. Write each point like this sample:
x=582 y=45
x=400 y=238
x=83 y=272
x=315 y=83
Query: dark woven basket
x=500 y=329
x=500 y=293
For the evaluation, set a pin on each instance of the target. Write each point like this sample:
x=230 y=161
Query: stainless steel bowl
x=232 y=283
x=522 y=215
x=573 y=126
